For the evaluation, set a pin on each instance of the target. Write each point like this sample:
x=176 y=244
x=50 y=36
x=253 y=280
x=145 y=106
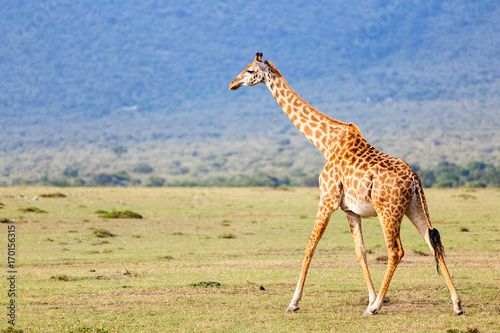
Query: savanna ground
x=247 y=239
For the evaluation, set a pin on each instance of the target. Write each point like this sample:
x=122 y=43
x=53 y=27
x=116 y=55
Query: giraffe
x=357 y=178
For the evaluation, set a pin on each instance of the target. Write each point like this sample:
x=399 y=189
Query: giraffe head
x=254 y=73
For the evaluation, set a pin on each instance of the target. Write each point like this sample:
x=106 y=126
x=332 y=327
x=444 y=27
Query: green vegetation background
x=135 y=93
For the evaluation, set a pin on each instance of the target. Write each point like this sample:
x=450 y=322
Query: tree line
x=475 y=174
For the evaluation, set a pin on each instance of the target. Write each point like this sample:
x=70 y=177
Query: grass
x=421 y=253
x=11 y=329
x=134 y=284
x=88 y=329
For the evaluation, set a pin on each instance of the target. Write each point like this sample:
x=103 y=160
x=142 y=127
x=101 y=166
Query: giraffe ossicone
x=357 y=178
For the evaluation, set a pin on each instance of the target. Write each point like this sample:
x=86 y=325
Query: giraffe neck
x=315 y=126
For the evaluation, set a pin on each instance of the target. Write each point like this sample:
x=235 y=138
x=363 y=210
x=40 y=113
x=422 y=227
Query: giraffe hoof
x=459 y=313
x=292 y=308
x=369 y=312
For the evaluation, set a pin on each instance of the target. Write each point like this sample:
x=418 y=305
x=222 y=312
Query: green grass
x=71 y=281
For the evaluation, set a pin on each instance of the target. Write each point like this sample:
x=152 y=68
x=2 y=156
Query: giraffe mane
x=350 y=126
x=273 y=68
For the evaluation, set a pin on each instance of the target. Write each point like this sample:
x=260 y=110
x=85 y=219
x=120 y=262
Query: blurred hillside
x=92 y=91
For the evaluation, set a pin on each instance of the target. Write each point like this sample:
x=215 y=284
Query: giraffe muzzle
x=234 y=85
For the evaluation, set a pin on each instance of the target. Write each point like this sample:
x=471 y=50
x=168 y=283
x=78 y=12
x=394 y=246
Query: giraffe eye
x=249 y=71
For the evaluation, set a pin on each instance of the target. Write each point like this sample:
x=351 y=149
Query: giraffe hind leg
x=391 y=228
x=431 y=236
x=357 y=235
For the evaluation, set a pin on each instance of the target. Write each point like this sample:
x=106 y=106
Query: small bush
x=101 y=242
x=143 y=168
x=32 y=210
x=61 y=277
x=206 y=284
x=5 y=220
x=476 y=184
x=155 y=181
x=463 y=229
x=135 y=182
x=53 y=195
x=126 y=214
x=101 y=211
x=103 y=179
x=119 y=150
x=70 y=172
x=121 y=176
x=60 y=182
x=227 y=235
x=467 y=196
x=102 y=233
x=382 y=258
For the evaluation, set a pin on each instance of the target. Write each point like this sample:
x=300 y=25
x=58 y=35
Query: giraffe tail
x=434 y=237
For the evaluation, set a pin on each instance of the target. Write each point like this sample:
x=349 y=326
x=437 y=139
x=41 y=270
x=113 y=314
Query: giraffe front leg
x=325 y=210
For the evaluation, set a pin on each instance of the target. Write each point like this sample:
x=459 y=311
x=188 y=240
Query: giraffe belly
x=361 y=206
